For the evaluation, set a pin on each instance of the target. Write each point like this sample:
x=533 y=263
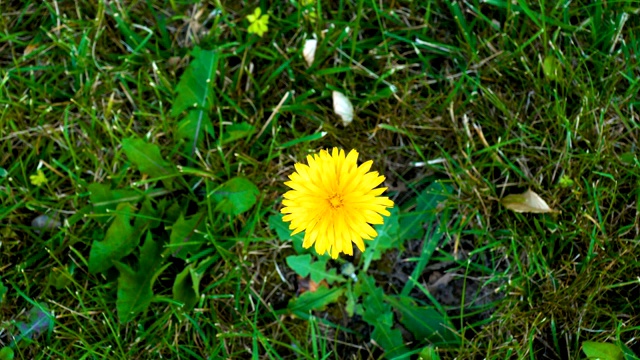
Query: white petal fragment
x=342 y=107
x=309 y=50
x=527 y=202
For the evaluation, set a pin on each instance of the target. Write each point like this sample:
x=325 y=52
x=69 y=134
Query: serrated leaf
x=527 y=202
x=6 y=353
x=193 y=125
x=186 y=236
x=121 y=239
x=39 y=320
x=423 y=322
x=387 y=239
x=303 y=266
x=236 y=196
x=234 y=132
x=104 y=199
x=135 y=287
x=412 y=223
x=390 y=340
x=147 y=158
x=317 y=300
x=603 y=351
x=195 y=88
x=186 y=287
x=148 y=217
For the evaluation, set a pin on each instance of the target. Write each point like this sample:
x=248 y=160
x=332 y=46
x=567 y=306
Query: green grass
x=474 y=109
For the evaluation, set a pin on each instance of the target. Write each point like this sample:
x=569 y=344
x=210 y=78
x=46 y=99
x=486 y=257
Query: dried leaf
x=309 y=50
x=342 y=107
x=527 y=202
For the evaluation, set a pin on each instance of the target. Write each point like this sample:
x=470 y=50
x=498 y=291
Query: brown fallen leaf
x=527 y=202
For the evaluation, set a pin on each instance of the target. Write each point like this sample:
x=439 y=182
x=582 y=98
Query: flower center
x=335 y=201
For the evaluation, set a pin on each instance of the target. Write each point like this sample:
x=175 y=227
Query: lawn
x=146 y=148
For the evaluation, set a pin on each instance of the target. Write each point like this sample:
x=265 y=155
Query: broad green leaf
x=148 y=217
x=603 y=351
x=387 y=239
x=104 y=199
x=425 y=212
x=121 y=239
x=428 y=353
x=195 y=89
x=390 y=340
x=552 y=68
x=147 y=158
x=424 y=322
x=6 y=353
x=186 y=287
x=303 y=266
x=378 y=313
x=135 y=287
x=192 y=127
x=527 y=202
x=3 y=172
x=187 y=235
x=39 y=320
x=237 y=131
x=317 y=300
x=236 y=196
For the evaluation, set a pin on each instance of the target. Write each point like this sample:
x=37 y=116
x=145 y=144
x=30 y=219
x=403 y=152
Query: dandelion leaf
x=236 y=196
x=104 y=199
x=193 y=125
x=121 y=239
x=186 y=236
x=146 y=157
x=425 y=323
x=195 y=88
x=316 y=300
x=303 y=266
x=602 y=351
x=237 y=131
x=282 y=230
x=6 y=353
x=135 y=287
x=186 y=287
x=425 y=212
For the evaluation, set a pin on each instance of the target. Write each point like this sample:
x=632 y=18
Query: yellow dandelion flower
x=259 y=24
x=38 y=179
x=334 y=201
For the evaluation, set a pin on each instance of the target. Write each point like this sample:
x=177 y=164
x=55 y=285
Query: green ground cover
x=144 y=146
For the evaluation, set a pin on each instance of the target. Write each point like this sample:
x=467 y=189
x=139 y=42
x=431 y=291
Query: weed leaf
x=186 y=287
x=316 y=300
x=6 y=353
x=193 y=124
x=186 y=236
x=378 y=313
x=237 y=131
x=412 y=223
x=121 y=239
x=303 y=266
x=135 y=287
x=527 y=202
x=104 y=199
x=602 y=351
x=424 y=322
x=146 y=157
x=195 y=88
x=236 y=196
